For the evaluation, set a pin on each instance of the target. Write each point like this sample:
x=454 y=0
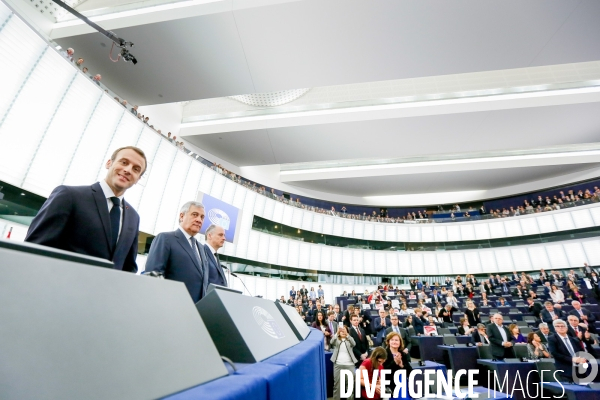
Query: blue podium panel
x=229 y=387
x=277 y=377
x=428 y=347
x=573 y=392
x=461 y=357
x=511 y=369
x=329 y=373
x=306 y=366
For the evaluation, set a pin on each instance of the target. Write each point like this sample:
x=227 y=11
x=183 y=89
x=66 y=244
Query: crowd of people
x=472 y=306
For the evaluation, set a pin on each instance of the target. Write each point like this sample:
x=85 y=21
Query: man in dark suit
x=178 y=255
x=500 y=338
x=446 y=314
x=480 y=336
x=585 y=316
x=361 y=348
x=380 y=325
x=564 y=348
x=587 y=270
x=544 y=332
x=534 y=307
x=435 y=297
x=395 y=327
x=581 y=333
x=418 y=323
x=215 y=239
x=95 y=220
x=550 y=314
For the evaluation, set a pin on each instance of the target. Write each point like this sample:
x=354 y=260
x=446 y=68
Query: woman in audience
x=405 y=310
x=407 y=322
x=353 y=293
x=321 y=324
x=396 y=359
x=576 y=294
x=463 y=328
x=422 y=306
x=388 y=305
x=515 y=334
x=472 y=314
x=378 y=357
x=312 y=294
x=342 y=358
x=535 y=348
x=556 y=294
x=345 y=294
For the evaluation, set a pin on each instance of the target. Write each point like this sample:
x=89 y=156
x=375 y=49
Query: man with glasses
x=564 y=348
x=480 y=336
x=402 y=332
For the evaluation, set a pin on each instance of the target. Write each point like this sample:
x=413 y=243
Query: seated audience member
x=446 y=314
x=519 y=292
x=534 y=307
x=464 y=328
x=564 y=348
x=480 y=336
x=550 y=314
x=451 y=299
x=536 y=349
x=343 y=358
x=397 y=357
x=500 y=338
x=502 y=302
x=321 y=323
x=585 y=316
x=515 y=333
x=374 y=362
x=575 y=294
x=435 y=297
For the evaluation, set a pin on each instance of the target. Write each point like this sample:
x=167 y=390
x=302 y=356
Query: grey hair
x=209 y=231
x=559 y=322
x=186 y=207
x=480 y=326
x=543 y=325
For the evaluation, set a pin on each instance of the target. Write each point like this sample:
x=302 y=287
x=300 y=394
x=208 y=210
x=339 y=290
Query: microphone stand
x=241 y=280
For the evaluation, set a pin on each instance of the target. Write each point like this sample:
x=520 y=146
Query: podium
x=74 y=328
x=245 y=329
x=294 y=320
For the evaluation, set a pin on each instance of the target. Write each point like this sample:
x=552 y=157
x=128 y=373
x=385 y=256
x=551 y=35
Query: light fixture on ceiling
x=271 y=99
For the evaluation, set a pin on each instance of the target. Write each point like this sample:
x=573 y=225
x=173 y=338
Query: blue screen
x=221 y=214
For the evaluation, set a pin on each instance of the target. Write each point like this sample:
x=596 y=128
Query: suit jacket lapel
x=127 y=222
x=102 y=207
x=188 y=248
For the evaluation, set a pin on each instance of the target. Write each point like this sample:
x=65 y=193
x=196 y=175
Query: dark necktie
x=216 y=258
x=115 y=221
x=195 y=249
x=359 y=335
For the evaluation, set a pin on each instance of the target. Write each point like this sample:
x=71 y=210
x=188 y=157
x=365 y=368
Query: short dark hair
x=136 y=149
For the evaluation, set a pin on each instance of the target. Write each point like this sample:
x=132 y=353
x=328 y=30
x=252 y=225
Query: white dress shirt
x=108 y=193
x=187 y=237
x=502 y=333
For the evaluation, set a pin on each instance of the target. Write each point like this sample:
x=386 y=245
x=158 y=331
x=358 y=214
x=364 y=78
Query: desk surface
x=573 y=392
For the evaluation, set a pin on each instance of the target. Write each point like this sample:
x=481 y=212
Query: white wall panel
x=268 y=210
x=512 y=227
x=538 y=256
x=564 y=221
x=264 y=243
x=327 y=225
x=208 y=176
x=467 y=232
x=315 y=257
x=293 y=254
x=546 y=223
x=338 y=227
x=369 y=233
x=529 y=226
x=297 y=218
x=414 y=233
x=288 y=214
x=592 y=251
x=229 y=191
x=575 y=254
x=273 y=250
x=444 y=264
x=458 y=264
x=169 y=202
x=497 y=230
x=240 y=195
x=595 y=212
x=189 y=191
x=348 y=228
x=427 y=234
x=473 y=262
x=326 y=261
x=440 y=233
x=404 y=263
x=318 y=223
x=379 y=232
x=582 y=218
x=278 y=212
x=504 y=260
x=402 y=233
x=520 y=257
x=488 y=261
x=416 y=263
x=453 y=232
x=253 y=243
x=357 y=261
x=307 y=222
x=337 y=260
x=482 y=231
x=304 y=256
x=391 y=233
x=359 y=230
x=430 y=262
x=391 y=262
x=380 y=261
x=558 y=258
x=216 y=190
x=369 y=262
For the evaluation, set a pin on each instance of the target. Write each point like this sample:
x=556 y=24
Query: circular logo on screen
x=267 y=322
x=218 y=217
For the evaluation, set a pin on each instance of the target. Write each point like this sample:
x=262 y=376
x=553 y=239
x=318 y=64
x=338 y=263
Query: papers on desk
x=430 y=330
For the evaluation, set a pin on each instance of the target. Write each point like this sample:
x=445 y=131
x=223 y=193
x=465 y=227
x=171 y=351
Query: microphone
x=241 y=280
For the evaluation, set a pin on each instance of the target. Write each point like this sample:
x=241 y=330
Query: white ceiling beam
x=435 y=166
x=391 y=111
